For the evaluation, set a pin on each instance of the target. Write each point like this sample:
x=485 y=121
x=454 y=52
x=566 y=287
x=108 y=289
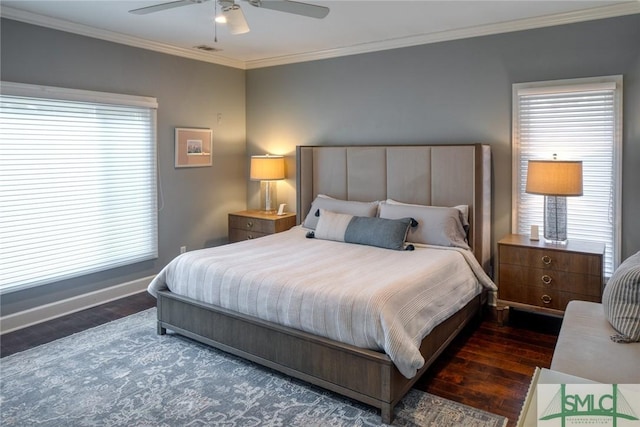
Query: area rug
x=124 y=374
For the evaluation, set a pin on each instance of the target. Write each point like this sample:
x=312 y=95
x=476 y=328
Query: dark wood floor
x=488 y=366
x=42 y=333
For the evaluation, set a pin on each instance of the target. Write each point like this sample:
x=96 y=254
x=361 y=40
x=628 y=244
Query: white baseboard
x=33 y=316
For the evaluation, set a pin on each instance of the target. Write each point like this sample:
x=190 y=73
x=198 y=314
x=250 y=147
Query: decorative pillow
x=339 y=206
x=464 y=211
x=436 y=225
x=372 y=231
x=621 y=300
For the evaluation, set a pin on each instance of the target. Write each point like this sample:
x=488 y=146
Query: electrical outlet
x=183 y=249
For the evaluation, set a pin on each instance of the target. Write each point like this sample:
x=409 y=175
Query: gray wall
x=190 y=94
x=450 y=92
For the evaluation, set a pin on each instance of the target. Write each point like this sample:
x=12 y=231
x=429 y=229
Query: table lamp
x=555 y=180
x=267 y=169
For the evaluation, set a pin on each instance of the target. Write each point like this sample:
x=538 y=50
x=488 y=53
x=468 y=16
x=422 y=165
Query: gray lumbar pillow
x=372 y=231
x=621 y=300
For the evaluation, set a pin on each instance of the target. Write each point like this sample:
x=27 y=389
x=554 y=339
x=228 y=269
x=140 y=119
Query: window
x=77 y=183
x=578 y=119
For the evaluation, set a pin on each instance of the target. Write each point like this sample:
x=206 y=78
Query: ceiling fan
x=232 y=13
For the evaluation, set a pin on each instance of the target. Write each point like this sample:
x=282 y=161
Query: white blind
x=77 y=183
x=576 y=122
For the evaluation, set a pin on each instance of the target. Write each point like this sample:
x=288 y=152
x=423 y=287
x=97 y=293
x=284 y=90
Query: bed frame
x=445 y=175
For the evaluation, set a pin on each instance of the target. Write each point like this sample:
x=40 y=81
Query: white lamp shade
x=266 y=168
x=235 y=20
x=554 y=178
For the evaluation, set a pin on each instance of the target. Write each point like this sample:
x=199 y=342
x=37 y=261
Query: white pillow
x=439 y=226
x=368 y=209
x=464 y=211
x=332 y=225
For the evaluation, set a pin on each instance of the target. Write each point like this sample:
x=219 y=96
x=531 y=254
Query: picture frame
x=193 y=147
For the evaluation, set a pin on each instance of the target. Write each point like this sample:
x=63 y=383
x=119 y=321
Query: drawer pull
x=546 y=299
x=546 y=259
x=249 y=237
x=249 y=224
x=546 y=279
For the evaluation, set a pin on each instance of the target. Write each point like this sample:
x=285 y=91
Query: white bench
x=585 y=350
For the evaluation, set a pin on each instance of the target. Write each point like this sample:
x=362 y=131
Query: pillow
x=372 y=231
x=339 y=206
x=621 y=300
x=464 y=211
x=436 y=225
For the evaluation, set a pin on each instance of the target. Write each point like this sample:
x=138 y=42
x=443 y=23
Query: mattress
x=370 y=297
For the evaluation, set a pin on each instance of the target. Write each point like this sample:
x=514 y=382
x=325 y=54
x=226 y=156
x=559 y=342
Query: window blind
x=77 y=183
x=578 y=121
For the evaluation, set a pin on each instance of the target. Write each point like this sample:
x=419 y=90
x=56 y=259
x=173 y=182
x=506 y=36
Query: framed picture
x=193 y=147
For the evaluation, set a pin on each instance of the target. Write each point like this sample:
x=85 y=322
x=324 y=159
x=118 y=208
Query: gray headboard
x=437 y=175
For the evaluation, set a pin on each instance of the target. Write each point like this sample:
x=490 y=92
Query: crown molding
x=97 y=33
x=618 y=9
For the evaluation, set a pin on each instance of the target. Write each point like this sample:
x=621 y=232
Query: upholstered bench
x=601 y=342
x=585 y=350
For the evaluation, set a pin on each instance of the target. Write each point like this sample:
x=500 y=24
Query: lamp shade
x=235 y=19
x=266 y=168
x=554 y=178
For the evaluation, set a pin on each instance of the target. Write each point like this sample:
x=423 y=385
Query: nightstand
x=251 y=224
x=543 y=277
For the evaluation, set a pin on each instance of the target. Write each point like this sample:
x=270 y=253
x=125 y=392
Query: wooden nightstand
x=544 y=277
x=246 y=225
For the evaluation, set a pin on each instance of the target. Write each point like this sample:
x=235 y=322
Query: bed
x=379 y=364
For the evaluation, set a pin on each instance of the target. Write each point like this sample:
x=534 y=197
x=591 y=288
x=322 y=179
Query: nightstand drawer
x=257 y=225
x=237 y=235
x=550 y=279
x=544 y=277
x=541 y=297
x=551 y=259
x=549 y=298
x=247 y=225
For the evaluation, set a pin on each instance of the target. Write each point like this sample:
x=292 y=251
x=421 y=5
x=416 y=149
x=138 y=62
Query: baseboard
x=33 y=316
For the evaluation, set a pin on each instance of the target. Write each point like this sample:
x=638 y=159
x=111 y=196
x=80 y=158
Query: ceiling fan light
x=236 y=22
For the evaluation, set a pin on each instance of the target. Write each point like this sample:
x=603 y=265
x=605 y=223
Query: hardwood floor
x=490 y=366
x=42 y=333
x=487 y=366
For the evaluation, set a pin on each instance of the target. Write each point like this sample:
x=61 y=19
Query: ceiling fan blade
x=164 y=6
x=297 y=8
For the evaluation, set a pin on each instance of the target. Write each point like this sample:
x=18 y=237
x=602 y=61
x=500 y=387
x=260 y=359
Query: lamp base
x=555 y=219
x=268 y=196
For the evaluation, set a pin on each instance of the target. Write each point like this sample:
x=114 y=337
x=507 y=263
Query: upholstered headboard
x=437 y=175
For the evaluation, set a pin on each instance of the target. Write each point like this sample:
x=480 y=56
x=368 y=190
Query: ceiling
x=276 y=38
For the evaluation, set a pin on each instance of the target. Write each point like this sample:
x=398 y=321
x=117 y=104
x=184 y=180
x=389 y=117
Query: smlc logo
x=586 y=404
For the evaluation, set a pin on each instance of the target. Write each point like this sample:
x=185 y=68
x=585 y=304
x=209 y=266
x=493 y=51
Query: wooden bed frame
x=432 y=175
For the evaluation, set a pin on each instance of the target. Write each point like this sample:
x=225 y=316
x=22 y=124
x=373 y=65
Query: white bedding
x=369 y=297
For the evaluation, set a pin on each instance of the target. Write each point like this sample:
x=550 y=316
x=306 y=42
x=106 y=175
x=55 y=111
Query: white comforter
x=370 y=297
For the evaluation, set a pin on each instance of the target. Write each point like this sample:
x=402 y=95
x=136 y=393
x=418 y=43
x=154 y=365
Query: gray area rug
x=123 y=374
